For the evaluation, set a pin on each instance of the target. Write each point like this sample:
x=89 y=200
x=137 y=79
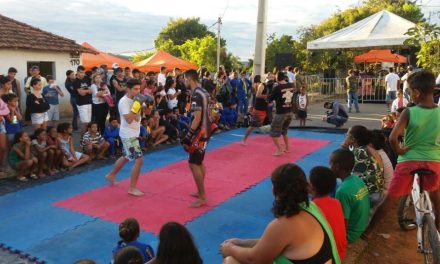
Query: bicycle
x=428 y=238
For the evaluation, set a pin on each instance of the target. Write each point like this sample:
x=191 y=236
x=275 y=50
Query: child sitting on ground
x=13 y=121
x=129 y=231
x=322 y=184
x=93 y=143
x=71 y=157
x=157 y=132
x=52 y=140
x=21 y=159
x=352 y=194
x=228 y=116
x=43 y=152
x=111 y=135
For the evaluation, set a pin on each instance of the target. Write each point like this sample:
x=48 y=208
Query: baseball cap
x=115 y=65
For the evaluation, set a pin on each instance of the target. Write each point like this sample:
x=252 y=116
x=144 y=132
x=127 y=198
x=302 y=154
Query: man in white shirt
x=161 y=78
x=129 y=133
x=405 y=82
x=290 y=74
x=392 y=82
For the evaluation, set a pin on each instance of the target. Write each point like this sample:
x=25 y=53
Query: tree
x=284 y=44
x=202 y=51
x=427 y=38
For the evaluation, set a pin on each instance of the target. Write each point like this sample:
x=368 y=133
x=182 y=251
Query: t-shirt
x=146 y=250
x=89 y=138
x=82 y=84
x=392 y=80
x=96 y=99
x=352 y=83
x=404 y=79
x=172 y=102
x=127 y=130
x=355 y=201
x=302 y=101
x=69 y=87
x=397 y=103
x=35 y=143
x=332 y=210
x=283 y=95
x=200 y=102
x=291 y=76
x=51 y=94
x=161 y=79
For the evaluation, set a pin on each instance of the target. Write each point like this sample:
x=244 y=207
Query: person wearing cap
x=5 y=84
x=405 y=82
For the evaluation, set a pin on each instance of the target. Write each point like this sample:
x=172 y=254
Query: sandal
x=22 y=179
x=33 y=176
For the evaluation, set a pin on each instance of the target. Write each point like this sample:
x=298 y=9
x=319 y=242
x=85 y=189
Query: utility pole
x=260 y=39
x=219 y=24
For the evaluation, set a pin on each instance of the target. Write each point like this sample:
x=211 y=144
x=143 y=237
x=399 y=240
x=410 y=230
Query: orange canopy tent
x=90 y=60
x=162 y=58
x=380 y=56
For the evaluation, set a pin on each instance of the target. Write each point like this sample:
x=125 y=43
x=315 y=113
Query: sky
x=132 y=25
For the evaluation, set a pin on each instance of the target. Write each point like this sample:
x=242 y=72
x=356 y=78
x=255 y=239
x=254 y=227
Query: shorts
x=78 y=155
x=280 y=124
x=2 y=127
x=85 y=113
x=302 y=114
x=257 y=118
x=131 y=149
x=391 y=95
x=402 y=180
x=39 y=118
x=54 y=113
x=197 y=157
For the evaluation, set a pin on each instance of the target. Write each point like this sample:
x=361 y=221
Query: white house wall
x=19 y=58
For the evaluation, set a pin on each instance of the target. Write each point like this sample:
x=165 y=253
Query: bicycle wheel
x=430 y=240
x=405 y=213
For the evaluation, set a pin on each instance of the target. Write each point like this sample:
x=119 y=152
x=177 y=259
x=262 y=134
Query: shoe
x=407 y=224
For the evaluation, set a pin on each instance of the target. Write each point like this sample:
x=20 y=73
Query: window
x=46 y=67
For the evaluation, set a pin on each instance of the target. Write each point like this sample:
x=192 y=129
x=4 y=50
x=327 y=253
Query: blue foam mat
x=30 y=222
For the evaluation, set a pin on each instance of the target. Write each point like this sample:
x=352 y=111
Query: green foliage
x=284 y=44
x=202 y=51
x=140 y=56
x=427 y=37
x=180 y=30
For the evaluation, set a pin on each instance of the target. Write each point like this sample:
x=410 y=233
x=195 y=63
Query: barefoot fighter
x=197 y=137
x=130 y=112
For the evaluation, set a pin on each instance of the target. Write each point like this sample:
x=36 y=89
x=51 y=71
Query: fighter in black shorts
x=198 y=136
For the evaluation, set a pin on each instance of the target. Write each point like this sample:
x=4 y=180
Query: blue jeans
x=243 y=105
x=336 y=120
x=353 y=98
x=75 y=113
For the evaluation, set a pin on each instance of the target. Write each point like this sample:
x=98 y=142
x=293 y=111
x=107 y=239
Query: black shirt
x=82 y=84
x=69 y=86
x=283 y=95
x=261 y=103
x=200 y=102
x=36 y=105
x=122 y=82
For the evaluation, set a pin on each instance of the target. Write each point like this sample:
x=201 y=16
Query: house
x=22 y=46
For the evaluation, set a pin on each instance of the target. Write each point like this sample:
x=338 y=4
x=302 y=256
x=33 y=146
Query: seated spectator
x=129 y=255
x=379 y=143
x=51 y=92
x=338 y=116
x=52 y=140
x=157 y=131
x=399 y=102
x=176 y=245
x=37 y=105
x=228 y=116
x=129 y=231
x=170 y=130
x=322 y=184
x=13 y=121
x=42 y=151
x=298 y=233
x=111 y=135
x=93 y=143
x=352 y=194
x=368 y=163
x=143 y=138
x=183 y=122
x=71 y=158
x=21 y=158
x=172 y=93
x=387 y=122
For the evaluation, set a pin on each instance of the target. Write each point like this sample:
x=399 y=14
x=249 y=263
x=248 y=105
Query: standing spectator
x=137 y=74
x=150 y=88
x=352 y=194
x=224 y=93
x=161 y=78
x=13 y=120
x=51 y=92
x=170 y=89
x=16 y=89
x=161 y=99
x=35 y=73
x=92 y=142
x=99 y=106
x=111 y=135
x=303 y=103
x=129 y=231
x=71 y=157
x=127 y=73
x=243 y=88
x=338 y=116
x=70 y=77
x=290 y=75
x=322 y=185
x=208 y=84
x=352 y=85
x=260 y=109
x=21 y=159
x=404 y=79
x=182 y=98
x=299 y=80
x=4 y=110
x=176 y=245
x=41 y=150
x=399 y=102
x=37 y=105
x=392 y=83
x=83 y=95
x=52 y=140
x=118 y=86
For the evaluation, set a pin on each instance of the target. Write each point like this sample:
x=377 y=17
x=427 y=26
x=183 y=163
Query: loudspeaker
x=283 y=59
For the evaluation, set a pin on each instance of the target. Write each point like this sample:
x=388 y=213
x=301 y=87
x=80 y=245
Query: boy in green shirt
x=352 y=194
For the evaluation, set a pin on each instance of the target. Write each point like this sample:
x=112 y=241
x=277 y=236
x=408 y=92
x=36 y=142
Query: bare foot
x=194 y=194
x=198 y=203
x=135 y=192
x=51 y=172
x=286 y=151
x=110 y=179
x=278 y=153
x=243 y=142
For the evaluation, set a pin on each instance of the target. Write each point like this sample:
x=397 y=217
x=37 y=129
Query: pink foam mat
x=231 y=169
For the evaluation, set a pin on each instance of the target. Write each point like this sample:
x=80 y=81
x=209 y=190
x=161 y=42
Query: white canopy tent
x=383 y=29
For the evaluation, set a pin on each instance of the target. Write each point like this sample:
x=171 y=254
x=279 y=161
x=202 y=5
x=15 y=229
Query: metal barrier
x=328 y=89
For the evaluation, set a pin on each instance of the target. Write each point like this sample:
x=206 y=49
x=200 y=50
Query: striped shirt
x=89 y=138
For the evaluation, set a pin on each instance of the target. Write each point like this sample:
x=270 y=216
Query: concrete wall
x=19 y=58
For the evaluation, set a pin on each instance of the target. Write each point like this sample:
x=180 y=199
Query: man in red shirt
x=322 y=184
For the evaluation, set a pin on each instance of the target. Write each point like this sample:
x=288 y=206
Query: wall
x=19 y=58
